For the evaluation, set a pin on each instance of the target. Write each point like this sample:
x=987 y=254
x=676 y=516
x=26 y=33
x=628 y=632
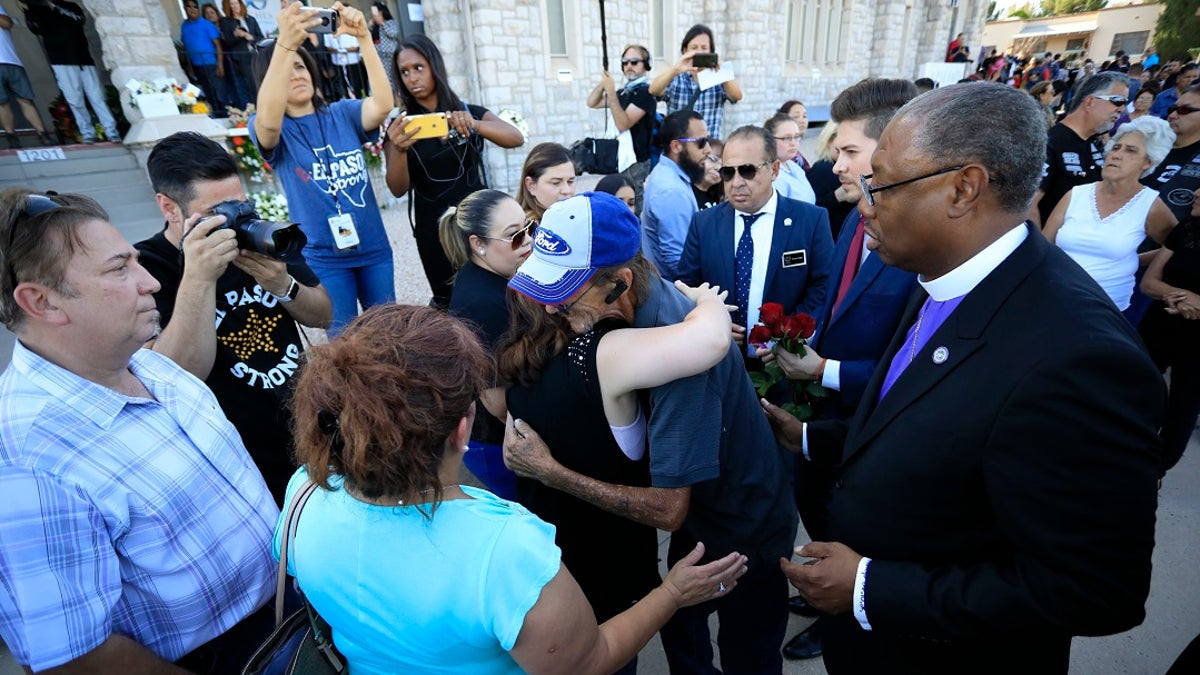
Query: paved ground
x=1173 y=609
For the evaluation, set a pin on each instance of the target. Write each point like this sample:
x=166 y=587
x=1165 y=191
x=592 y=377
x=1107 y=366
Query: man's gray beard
x=842 y=196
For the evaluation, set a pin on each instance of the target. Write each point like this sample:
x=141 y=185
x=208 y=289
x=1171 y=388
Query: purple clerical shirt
x=929 y=319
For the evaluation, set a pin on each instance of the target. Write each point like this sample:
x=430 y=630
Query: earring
x=482 y=251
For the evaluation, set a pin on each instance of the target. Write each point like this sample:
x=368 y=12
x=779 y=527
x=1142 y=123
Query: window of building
x=1130 y=43
x=556 y=27
x=561 y=35
x=663 y=38
x=1076 y=44
x=815 y=32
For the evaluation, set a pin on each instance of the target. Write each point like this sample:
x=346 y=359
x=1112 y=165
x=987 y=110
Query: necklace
x=428 y=490
x=912 y=356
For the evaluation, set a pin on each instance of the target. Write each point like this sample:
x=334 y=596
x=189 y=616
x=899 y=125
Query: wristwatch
x=292 y=292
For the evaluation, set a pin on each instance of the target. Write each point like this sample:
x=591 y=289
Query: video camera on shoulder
x=281 y=241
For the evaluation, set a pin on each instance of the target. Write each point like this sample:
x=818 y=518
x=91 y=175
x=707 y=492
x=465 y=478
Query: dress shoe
x=798 y=605
x=14 y=143
x=806 y=645
x=45 y=138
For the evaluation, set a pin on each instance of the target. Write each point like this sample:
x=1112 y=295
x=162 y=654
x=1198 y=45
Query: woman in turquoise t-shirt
x=316 y=150
x=413 y=572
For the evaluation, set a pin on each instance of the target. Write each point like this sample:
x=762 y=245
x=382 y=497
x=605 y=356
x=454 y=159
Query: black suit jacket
x=1006 y=496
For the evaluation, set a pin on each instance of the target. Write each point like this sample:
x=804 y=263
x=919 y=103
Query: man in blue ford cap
x=716 y=471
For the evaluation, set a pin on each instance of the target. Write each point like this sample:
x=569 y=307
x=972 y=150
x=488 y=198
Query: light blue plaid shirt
x=710 y=103
x=144 y=518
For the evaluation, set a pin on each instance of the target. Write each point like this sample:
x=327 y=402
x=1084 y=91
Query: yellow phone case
x=432 y=125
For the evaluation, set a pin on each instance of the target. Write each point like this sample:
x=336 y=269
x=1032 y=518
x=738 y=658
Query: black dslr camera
x=282 y=241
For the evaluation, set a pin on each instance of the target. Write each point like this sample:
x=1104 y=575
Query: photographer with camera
x=436 y=164
x=316 y=149
x=229 y=314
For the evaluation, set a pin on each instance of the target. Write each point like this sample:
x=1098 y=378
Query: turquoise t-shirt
x=407 y=594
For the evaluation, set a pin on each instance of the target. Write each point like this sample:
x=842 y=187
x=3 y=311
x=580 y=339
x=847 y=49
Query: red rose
x=238 y=140
x=770 y=314
x=806 y=325
x=760 y=335
x=798 y=326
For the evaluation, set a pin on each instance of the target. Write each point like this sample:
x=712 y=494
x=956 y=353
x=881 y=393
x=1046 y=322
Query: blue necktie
x=743 y=262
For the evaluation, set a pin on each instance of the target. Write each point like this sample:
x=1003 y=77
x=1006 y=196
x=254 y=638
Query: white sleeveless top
x=1106 y=248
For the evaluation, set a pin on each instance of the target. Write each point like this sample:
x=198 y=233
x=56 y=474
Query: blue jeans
x=348 y=286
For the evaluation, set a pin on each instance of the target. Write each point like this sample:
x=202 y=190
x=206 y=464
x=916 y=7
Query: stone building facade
x=540 y=58
x=526 y=56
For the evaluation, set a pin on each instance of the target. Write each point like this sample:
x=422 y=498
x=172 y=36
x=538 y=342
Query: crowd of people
x=59 y=24
x=977 y=481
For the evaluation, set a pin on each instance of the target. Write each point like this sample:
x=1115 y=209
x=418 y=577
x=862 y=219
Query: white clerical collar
x=964 y=278
x=769 y=207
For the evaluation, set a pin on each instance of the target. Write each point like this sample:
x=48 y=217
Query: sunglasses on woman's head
x=517 y=239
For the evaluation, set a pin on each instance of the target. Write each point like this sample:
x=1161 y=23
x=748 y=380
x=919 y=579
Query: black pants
x=753 y=620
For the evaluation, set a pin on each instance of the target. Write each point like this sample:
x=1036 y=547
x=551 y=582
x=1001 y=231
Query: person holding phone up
x=438 y=159
x=680 y=86
x=316 y=150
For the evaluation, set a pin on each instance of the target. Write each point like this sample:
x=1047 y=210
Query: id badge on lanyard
x=345 y=234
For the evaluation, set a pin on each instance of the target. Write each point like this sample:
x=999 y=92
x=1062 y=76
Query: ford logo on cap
x=551 y=244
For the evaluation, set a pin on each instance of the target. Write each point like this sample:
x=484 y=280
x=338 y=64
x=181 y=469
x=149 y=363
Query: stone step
x=73 y=165
x=96 y=182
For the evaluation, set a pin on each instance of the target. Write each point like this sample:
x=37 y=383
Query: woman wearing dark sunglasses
x=486 y=238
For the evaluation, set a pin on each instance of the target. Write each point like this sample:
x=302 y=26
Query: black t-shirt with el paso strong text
x=258 y=355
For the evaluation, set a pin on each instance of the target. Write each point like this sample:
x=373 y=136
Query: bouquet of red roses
x=791 y=333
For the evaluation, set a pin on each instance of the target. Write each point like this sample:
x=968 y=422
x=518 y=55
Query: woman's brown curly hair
x=378 y=403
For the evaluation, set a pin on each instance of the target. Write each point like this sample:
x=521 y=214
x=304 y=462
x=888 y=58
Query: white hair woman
x=1100 y=225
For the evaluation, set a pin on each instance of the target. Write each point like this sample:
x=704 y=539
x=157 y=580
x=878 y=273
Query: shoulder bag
x=301 y=644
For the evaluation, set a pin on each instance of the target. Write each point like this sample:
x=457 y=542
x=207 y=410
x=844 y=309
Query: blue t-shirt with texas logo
x=319 y=158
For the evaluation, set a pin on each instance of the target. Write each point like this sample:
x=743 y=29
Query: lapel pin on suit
x=787 y=222
x=941 y=355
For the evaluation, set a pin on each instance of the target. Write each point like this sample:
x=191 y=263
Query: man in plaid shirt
x=135 y=532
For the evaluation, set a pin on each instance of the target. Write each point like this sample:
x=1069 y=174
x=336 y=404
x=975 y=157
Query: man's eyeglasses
x=788 y=139
x=869 y=190
x=701 y=142
x=565 y=308
x=516 y=239
x=1182 y=109
x=1119 y=101
x=747 y=171
x=632 y=62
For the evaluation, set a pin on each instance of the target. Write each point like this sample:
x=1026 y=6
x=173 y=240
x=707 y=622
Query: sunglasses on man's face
x=747 y=171
x=632 y=62
x=702 y=142
x=1119 y=101
x=517 y=239
x=1182 y=109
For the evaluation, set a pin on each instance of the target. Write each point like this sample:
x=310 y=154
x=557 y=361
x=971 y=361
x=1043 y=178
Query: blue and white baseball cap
x=576 y=237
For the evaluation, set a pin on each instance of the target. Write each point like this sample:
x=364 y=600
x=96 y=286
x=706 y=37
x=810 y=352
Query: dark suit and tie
x=798 y=263
x=997 y=487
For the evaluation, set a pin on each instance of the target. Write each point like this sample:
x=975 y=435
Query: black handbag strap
x=289 y=531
